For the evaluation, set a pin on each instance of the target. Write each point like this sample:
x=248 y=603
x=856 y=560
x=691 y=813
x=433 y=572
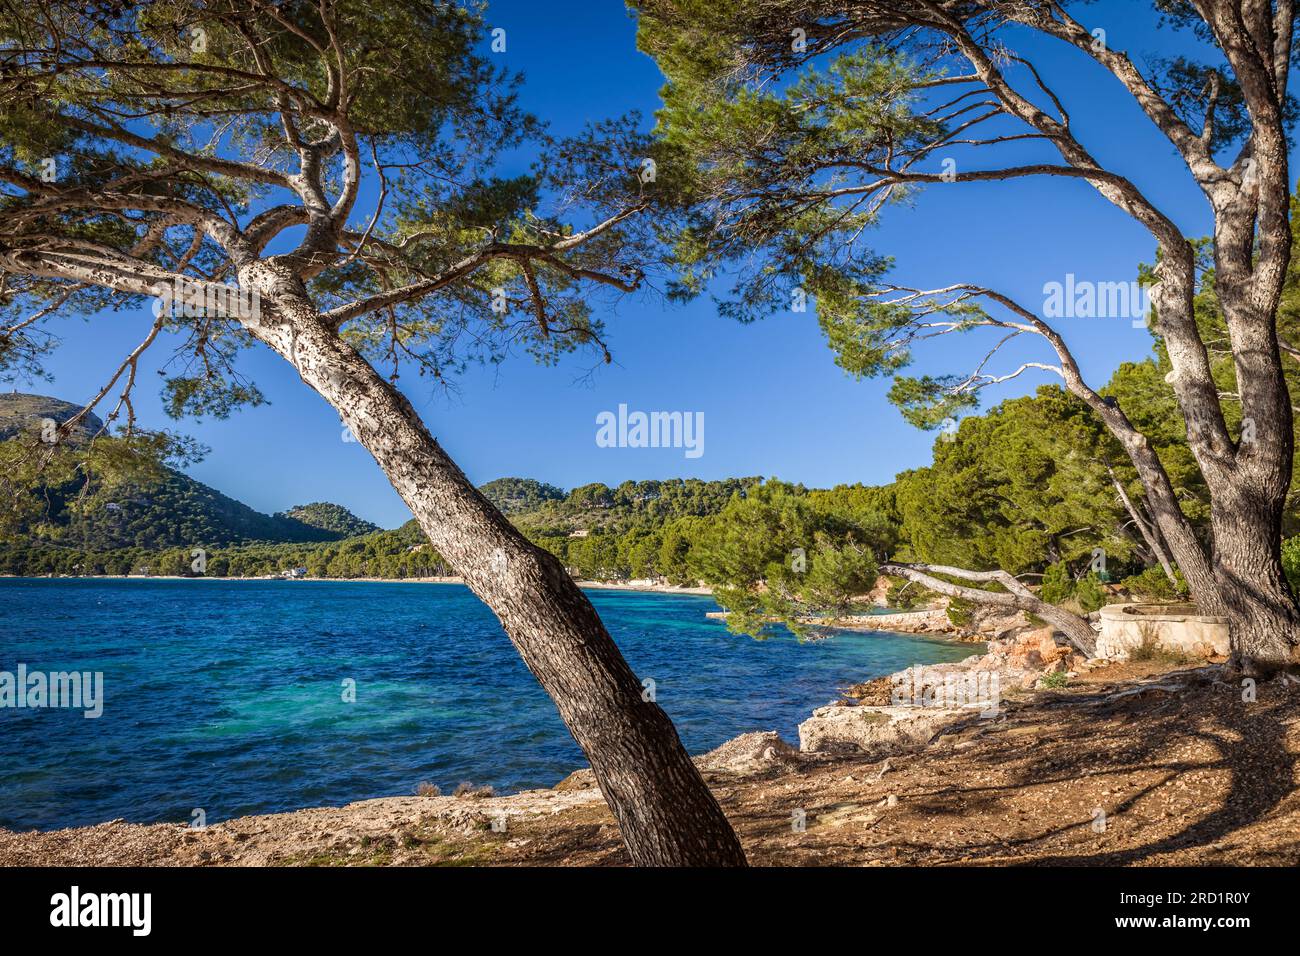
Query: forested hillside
x=329 y=517
x=169 y=510
x=1033 y=486
x=600 y=532
x=179 y=511
x=515 y=495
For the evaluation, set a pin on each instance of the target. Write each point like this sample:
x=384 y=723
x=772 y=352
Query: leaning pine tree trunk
x=1076 y=630
x=667 y=814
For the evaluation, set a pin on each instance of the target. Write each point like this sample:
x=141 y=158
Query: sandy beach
x=588 y=585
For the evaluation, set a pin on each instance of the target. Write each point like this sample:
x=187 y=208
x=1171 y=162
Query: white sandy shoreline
x=587 y=585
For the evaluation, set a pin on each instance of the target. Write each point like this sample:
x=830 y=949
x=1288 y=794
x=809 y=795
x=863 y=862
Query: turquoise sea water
x=228 y=695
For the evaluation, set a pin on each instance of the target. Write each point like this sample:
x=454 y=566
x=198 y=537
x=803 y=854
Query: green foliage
x=757 y=152
x=1055 y=680
x=401 y=553
x=329 y=517
x=773 y=556
x=193 y=395
x=1140 y=390
x=71 y=489
x=118 y=496
x=960 y=612
x=928 y=402
x=1089 y=593
x=903 y=595
x=1152 y=584
x=1017 y=488
x=598 y=506
x=785 y=147
x=198 y=137
x=597 y=557
x=1057 y=585
x=675 y=546
x=88 y=489
x=512 y=495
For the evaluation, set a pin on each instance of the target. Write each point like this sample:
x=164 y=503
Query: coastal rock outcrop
x=869 y=729
x=750 y=753
x=911 y=707
x=1022 y=659
x=995 y=623
x=909 y=622
x=980 y=623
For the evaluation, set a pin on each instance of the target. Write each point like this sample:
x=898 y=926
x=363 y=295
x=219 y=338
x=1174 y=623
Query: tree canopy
x=148 y=141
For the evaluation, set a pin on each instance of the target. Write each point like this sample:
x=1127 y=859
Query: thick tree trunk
x=1260 y=607
x=666 y=813
x=1248 y=479
x=1244 y=580
x=1076 y=630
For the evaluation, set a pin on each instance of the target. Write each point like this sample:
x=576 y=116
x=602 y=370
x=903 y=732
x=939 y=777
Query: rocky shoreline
x=890 y=715
x=984 y=623
x=1024 y=787
x=913 y=706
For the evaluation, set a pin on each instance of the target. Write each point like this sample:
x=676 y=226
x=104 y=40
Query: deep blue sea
x=228 y=695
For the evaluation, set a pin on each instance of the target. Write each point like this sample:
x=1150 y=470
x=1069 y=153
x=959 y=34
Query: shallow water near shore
x=229 y=696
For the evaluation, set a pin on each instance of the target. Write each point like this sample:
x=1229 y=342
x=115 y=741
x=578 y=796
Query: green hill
x=597 y=506
x=517 y=495
x=179 y=511
x=327 y=516
x=176 y=511
x=596 y=529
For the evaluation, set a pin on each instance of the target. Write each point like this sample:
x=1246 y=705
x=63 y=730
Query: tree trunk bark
x=1261 y=610
x=667 y=814
x=1249 y=475
x=1174 y=528
x=1076 y=630
x=1248 y=479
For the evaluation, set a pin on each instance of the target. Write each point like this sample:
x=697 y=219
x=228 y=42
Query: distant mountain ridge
x=597 y=530
x=20 y=411
x=177 y=511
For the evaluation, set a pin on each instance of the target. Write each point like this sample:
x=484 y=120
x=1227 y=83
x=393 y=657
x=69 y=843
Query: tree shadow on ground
x=1249 y=743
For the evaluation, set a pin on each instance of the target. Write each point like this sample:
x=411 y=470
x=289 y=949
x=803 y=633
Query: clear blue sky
x=774 y=402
